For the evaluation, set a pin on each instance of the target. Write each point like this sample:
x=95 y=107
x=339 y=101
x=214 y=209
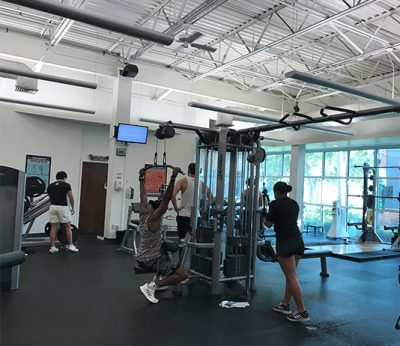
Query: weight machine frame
x=368 y=230
x=221 y=144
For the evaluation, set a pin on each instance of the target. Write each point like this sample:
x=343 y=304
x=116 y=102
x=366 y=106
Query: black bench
x=322 y=255
x=266 y=253
x=315 y=228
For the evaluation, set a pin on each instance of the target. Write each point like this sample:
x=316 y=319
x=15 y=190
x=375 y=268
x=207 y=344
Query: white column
x=297 y=175
x=115 y=214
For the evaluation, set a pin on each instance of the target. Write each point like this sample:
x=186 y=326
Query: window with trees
x=276 y=167
x=332 y=175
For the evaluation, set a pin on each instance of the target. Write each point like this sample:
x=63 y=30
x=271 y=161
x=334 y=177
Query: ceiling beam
x=199 y=12
x=285 y=39
x=231 y=33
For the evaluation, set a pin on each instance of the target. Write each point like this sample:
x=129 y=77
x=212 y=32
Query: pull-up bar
x=333 y=117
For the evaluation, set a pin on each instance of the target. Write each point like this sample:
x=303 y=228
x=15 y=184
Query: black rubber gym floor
x=93 y=298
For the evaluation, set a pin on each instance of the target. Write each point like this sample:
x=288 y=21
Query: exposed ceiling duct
x=95 y=20
x=46 y=105
x=7 y=68
x=307 y=78
x=249 y=115
x=22 y=82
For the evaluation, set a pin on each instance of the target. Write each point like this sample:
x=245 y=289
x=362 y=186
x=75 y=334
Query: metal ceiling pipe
x=46 y=105
x=269 y=139
x=307 y=78
x=50 y=78
x=246 y=114
x=95 y=20
x=178 y=126
x=340 y=116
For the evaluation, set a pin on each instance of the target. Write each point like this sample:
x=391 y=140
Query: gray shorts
x=59 y=214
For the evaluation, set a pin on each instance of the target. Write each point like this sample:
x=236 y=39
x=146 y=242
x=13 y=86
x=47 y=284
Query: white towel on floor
x=230 y=304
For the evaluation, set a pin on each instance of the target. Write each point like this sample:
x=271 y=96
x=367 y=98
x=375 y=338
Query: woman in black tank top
x=283 y=214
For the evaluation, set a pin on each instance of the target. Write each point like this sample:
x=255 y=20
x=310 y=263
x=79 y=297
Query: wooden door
x=93 y=198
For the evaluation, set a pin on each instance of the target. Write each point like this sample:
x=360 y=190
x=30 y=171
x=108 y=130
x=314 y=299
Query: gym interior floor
x=93 y=298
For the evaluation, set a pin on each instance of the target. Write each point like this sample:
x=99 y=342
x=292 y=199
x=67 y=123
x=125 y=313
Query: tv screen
x=132 y=133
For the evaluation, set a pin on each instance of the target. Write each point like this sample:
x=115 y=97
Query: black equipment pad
x=367 y=255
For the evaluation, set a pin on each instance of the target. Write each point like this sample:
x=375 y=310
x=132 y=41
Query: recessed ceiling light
x=390 y=49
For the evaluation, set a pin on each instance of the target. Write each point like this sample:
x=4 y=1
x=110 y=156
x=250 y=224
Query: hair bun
x=289 y=188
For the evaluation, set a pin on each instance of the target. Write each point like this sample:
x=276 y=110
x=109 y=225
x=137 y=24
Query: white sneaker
x=72 y=248
x=53 y=249
x=148 y=291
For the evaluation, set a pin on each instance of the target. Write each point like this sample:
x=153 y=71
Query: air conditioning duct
x=22 y=84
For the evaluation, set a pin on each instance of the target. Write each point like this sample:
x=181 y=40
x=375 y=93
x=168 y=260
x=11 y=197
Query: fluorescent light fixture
x=246 y=114
x=307 y=78
x=164 y=94
x=38 y=66
x=61 y=31
x=394 y=56
x=45 y=105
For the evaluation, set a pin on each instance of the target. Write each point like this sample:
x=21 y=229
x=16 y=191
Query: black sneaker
x=298 y=316
x=283 y=309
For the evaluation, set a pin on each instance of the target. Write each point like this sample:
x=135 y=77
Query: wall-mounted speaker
x=129 y=70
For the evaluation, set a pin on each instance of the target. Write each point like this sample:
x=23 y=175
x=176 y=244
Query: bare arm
x=143 y=196
x=155 y=219
x=177 y=189
x=71 y=201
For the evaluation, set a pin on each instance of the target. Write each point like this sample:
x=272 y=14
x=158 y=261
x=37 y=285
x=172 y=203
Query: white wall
x=69 y=143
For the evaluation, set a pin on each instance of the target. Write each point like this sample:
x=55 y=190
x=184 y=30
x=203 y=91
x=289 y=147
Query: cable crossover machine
x=222 y=246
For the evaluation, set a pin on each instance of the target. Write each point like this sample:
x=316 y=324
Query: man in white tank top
x=186 y=187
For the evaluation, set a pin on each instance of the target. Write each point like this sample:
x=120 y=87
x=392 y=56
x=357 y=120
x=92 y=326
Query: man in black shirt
x=59 y=211
x=283 y=214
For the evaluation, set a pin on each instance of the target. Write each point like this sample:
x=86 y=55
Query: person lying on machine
x=151 y=253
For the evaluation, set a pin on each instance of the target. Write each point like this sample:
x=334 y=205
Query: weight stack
x=202 y=264
x=235 y=265
x=205 y=234
x=237 y=245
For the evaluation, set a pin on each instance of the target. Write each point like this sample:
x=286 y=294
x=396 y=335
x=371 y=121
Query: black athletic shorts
x=287 y=247
x=162 y=265
x=183 y=223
